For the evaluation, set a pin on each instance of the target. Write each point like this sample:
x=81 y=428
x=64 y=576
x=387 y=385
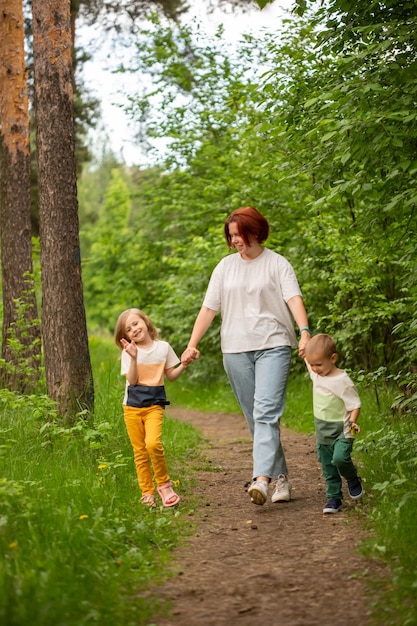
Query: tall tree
x=64 y=331
x=15 y=223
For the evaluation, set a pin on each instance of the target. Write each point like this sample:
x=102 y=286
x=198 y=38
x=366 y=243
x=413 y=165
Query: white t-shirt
x=334 y=399
x=252 y=297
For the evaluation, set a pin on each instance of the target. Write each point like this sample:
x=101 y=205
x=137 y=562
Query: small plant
x=405 y=403
x=21 y=366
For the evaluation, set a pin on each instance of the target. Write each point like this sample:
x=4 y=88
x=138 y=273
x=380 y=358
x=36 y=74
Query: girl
x=145 y=361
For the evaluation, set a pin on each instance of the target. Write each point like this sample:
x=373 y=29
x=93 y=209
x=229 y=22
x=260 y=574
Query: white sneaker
x=258 y=491
x=282 y=491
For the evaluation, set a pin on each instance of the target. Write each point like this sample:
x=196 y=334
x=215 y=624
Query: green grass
x=214 y=398
x=78 y=548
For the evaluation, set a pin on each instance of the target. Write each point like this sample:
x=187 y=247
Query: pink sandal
x=169 y=499
x=148 y=500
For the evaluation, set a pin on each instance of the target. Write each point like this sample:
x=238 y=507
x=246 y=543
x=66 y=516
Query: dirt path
x=275 y=565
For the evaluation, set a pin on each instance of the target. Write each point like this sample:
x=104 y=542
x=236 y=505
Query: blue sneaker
x=355 y=488
x=333 y=506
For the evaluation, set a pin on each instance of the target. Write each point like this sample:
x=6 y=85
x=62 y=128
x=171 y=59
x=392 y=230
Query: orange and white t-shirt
x=151 y=365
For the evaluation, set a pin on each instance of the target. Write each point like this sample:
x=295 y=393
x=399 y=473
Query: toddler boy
x=336 y=406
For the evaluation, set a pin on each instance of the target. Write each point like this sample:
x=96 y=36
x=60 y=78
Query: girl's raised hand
x=131 y=348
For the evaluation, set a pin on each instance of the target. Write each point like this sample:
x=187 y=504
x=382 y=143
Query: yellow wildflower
x=83 y=516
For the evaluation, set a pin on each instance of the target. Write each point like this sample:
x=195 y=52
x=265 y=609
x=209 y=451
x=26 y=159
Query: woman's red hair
x=250 y=224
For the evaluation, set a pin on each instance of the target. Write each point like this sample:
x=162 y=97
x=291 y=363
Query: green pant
x=335 y=459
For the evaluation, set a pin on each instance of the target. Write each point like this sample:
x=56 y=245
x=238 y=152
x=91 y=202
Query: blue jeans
x=259 y=381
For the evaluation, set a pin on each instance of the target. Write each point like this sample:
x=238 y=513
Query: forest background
x=316 y=126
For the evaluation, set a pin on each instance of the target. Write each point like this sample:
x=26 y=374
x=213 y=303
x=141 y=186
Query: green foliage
x=262 y=3
x=112 y=255
x=388 y=454
x=299 y=404
x=315 y=128
x=92 y=185
x=345 y=109
x=181 y=210
x=22 y=369
x=191 y=393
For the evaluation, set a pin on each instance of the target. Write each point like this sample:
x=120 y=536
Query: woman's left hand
x=303 y=341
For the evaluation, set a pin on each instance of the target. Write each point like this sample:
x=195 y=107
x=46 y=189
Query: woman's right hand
x=201 y=324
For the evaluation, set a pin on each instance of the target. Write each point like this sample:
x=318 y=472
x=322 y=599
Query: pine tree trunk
x=20 y=333
x=64 y=331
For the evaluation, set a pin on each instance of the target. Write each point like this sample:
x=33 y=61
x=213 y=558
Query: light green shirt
x=334 y=399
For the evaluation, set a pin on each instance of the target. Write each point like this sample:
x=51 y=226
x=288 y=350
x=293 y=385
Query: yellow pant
x=144 y=427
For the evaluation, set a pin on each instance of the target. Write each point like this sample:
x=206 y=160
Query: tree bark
x=67 y=359
x=22 y=357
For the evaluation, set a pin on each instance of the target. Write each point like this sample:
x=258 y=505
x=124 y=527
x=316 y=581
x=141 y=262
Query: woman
x=258 y=296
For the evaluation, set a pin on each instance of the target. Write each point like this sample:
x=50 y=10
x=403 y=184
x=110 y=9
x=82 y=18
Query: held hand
x=303 y=341
x=189 y=355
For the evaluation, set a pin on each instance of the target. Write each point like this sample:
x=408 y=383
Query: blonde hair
x=322 y=344
x=120 y=330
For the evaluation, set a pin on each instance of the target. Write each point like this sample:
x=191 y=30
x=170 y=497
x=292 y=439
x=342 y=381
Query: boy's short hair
x=322 y=343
